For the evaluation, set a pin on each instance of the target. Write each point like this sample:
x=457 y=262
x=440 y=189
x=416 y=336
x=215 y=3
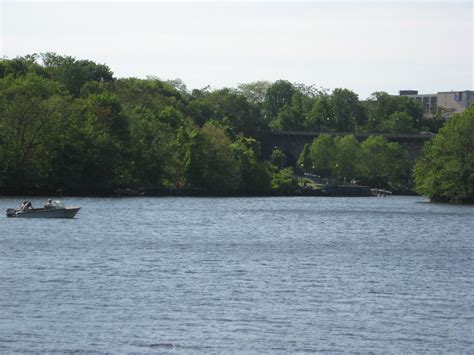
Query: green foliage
x=445 y=170
x=382 y=163
x=154 y=148
x=68 y=123
x=71 y=147
x=231 y=108
x=284 y=181
x=255 y=92
x=179 y=85
x=27 y=113
x=106 y=131
x=21 y=66
x=347 y=113
x=382 y=107
x=159 y=131
x=278 y=95
x=256 y=176
x=278 y=158
x=74 y=73
x=211 y=163
x=318 y=118
x=375 y=162
x=347 y=158
x=152 y=94
x=322 y=155
x=304 y=161
x=298 y=108
x=288 y=119
x=398 y=122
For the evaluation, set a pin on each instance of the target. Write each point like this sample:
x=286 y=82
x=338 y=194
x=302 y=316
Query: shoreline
x=205 y=194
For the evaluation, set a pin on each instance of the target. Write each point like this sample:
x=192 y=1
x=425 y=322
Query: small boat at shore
x=54 y=209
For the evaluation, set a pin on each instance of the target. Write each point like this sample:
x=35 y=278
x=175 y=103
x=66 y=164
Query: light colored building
x=455 y=102
x=446 y=103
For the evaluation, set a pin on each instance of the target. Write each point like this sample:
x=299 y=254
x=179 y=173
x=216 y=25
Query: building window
x=434 y=104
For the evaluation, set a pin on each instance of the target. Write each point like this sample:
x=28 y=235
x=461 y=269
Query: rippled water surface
x=245 y=275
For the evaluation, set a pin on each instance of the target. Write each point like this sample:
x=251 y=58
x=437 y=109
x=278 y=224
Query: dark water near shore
x=248 y=275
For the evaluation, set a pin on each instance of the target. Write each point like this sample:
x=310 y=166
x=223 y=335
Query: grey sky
x=363 y=46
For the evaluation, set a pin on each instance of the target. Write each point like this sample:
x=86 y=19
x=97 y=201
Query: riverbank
x=324 y=191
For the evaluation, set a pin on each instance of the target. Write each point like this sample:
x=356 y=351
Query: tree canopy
x=375 y=162
x=445 y=170
x=69 y=123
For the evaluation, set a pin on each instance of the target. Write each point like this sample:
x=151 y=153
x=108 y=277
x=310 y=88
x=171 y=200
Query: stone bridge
x=292 y=143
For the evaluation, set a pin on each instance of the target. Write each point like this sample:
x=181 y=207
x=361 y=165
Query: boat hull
x=47 y=213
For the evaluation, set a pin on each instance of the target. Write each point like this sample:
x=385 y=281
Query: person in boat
x=48 y=204
x=26 y=206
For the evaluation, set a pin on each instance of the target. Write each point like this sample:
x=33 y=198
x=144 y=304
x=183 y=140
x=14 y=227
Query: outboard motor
x=11 y=212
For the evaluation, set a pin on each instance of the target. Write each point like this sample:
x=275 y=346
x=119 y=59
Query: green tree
x=178 y=84
x=383 y=164
x=284 y=181
x=347 y=111
x=433 y=124
x=288 y=119
x=210 y=161
x=21 y=66
x=256 y=175
x=381 y=106
x=445 y=170
x=278 y=158
x=200 y=110
x=69 y=123
x=255 y=92
x=233 y=109
x=74 y=73
x=318 y=118
x=278 y=95
x=70 y=146
x=28 y=106
x=154 y=147
x=291 y=117
x=322 y=155
x=101 y=143
x=151 y=94
x=305 y=161
x=398 y=165
x=398 y=122
x=347 y=158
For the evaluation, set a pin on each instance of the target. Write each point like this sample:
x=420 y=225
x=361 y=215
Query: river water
x=245 y=275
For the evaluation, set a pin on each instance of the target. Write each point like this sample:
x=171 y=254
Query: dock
x=380 y=192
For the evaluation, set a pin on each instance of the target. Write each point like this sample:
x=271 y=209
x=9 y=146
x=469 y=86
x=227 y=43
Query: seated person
x=49 y=204
x=26 y=206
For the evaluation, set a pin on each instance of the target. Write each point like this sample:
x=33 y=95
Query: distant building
x=446 y=103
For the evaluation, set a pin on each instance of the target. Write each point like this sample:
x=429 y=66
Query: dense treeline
x=296 y=107
x=70 y=124
x=374 y=162
x=445 y=170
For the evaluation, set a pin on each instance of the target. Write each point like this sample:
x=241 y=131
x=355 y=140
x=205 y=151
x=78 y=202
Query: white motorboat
x=54 y=209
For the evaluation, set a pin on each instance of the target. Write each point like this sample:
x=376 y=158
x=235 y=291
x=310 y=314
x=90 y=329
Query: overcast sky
x=362 y=46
